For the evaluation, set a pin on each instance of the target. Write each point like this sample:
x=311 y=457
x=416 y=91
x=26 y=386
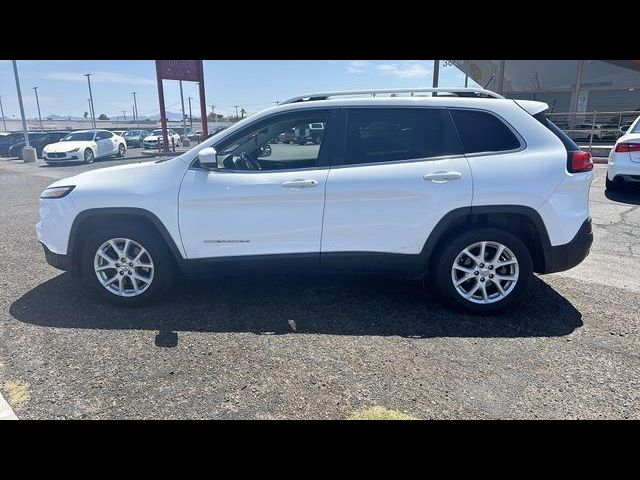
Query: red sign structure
x=187 y=71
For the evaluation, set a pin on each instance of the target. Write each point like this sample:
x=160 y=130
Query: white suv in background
x=85 y=146
x=471 y=189
x=624 y=158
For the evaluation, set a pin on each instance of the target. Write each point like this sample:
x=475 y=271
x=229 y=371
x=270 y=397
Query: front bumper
x=60 y=157
x=564 y=257
x=61 y=262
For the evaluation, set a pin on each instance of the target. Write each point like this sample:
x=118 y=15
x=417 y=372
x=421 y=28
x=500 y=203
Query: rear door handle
x=300 y=184
x=442 y=177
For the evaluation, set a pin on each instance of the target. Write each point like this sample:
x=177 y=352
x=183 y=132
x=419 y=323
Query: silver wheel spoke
x=505 y=263
x=105 y=256
x=106 y=267
x=484 y=291
x=498 y=253
x=499 y=287
x=483 y=248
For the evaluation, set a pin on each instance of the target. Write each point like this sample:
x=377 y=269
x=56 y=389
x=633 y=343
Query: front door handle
x=300 y=184
x=442 y=177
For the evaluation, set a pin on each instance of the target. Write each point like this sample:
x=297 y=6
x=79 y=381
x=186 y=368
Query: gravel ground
x=280 y=347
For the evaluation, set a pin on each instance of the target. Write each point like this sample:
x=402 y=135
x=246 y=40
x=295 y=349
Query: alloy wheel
x=123 y=267
x=485 y=272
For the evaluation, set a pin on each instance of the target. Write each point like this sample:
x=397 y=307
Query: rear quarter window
x=483 y=132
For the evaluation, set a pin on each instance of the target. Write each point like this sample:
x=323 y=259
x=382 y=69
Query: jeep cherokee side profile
x=473 y=190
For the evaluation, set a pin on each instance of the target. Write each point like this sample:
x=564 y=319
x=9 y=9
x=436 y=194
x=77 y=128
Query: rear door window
x=483 y=132
x=378 y=135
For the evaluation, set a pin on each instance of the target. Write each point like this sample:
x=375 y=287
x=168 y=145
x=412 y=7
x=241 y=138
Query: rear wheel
x=122 y=150
x=483 y=271
x=127 y=265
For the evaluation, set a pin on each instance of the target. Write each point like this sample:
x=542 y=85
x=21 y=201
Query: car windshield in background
x=156 y=132
x=78 y=137
x=636 y=129
x=134 y=133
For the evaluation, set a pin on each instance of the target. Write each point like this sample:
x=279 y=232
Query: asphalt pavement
x=279 y=347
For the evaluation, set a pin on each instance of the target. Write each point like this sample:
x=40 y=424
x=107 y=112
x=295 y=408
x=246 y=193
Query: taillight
x=580 y=162
x=628 y=147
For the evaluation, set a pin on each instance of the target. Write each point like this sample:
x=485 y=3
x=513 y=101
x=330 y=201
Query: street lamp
x=35 y=89
x=93 y=112
x=3 y=119
x=135 y=107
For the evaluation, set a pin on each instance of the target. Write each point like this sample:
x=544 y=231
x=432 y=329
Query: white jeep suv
x=471 y=189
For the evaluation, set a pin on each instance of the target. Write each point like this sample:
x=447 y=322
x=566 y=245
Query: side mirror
x=208 y=157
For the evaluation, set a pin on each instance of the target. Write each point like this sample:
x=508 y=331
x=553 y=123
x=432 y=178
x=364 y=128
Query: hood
x=153 y=137
x=65 y=146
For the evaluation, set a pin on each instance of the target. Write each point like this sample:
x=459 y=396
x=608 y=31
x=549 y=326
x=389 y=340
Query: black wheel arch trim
x=129 y=211
x=442 y=228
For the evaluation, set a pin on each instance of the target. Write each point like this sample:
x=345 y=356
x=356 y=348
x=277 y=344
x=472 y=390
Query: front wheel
x=127 y=265
x=122 y=150
x=89 y=157
x=483 y=271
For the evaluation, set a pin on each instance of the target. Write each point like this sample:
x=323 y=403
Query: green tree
x=103 y=117
x=86 y=114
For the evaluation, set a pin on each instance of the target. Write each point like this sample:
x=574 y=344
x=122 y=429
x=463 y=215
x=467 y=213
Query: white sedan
x=156 y=137
x=85 y=145
x=624 y=158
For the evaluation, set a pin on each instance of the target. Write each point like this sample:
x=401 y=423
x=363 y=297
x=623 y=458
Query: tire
x=158 y=255
x=89 y=156
x=614 y=185
x=122 y=150
x=495 y=302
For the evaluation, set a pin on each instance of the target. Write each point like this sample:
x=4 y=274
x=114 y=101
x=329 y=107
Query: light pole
x=35 y=89
x=184 y=121
x=124 y=114
x=24 y=120
x=3 y=119
x=436 y=75
x=90 y=108
x=190 y=116
x=93 y=112
x=236 y=112
x=135 y=107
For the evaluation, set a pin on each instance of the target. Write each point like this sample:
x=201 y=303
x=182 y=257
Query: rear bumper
x=564 y=257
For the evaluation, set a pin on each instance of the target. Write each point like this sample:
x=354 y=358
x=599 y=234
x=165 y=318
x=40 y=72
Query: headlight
x=57 y=192
x=73 y=151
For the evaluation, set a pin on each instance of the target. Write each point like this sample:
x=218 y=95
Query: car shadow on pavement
x=629 y=194
x=285 y=305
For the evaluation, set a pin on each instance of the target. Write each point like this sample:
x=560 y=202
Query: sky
x=250 y=84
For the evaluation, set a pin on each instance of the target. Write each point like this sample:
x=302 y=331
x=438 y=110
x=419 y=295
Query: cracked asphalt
x=280 y=347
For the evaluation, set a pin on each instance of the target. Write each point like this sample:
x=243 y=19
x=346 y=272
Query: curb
x=6 y=413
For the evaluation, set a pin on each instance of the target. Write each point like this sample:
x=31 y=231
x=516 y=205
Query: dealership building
x=565 y=85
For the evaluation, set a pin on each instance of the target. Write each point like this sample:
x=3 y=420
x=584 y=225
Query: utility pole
x=24 y=120
x=3 y=119
x=184 y=121
x=90 y=107
x=35 y=89
x=135 y=108
x=93 y=111
x=236 y=112
x=213 y=112
x=124 y=113
x=190 y=116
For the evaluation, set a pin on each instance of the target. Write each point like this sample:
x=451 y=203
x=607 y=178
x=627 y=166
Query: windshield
x=78 y=137
x=157 y=132
x=133 y=133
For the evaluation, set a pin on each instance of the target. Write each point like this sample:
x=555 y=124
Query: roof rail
x=459 y=91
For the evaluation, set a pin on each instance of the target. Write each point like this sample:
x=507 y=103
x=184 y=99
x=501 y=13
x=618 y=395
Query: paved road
x=317 y=348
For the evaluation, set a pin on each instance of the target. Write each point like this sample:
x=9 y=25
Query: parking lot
x=282 y=347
